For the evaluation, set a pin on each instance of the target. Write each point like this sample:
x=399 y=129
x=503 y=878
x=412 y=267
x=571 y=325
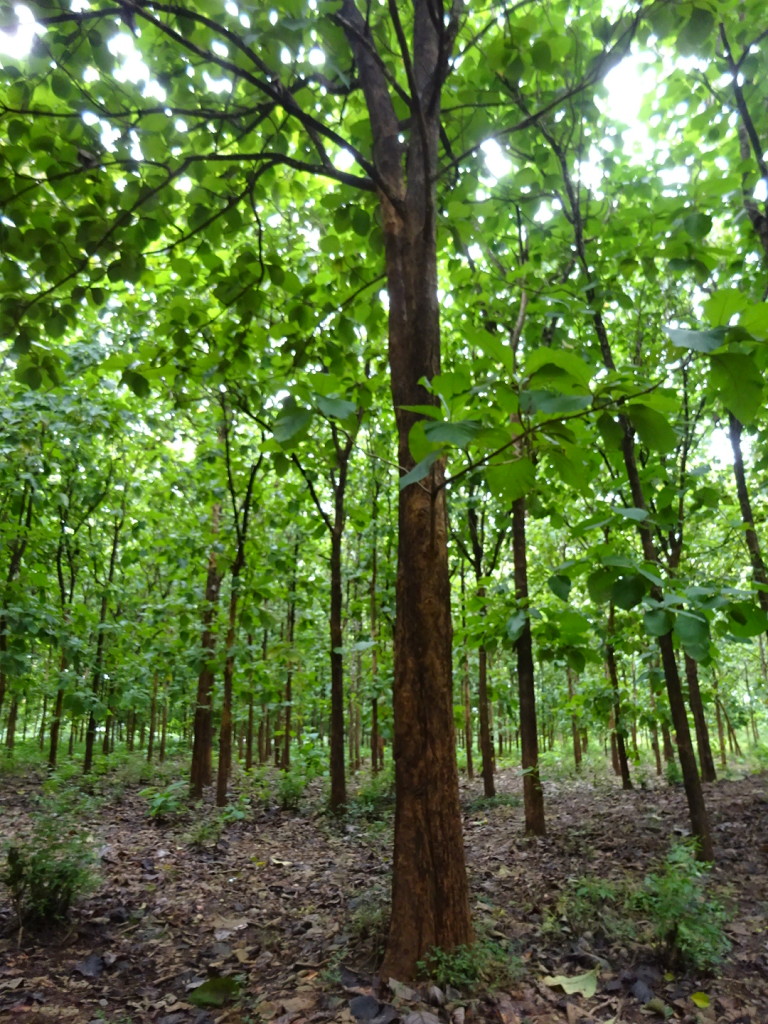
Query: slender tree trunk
x=486 y=740
x=283 y=756
x=618 y=725
x=163 y=728
x=10 y=729
x=374 y=735
x=98 y=666
x=249 y=735
x=338 y=796
x=706 y=761
x=466 y=694
x=152 y=720
x=225 y=729
x=201 y=769
x=58 y=713
x=759 y=573
x=533 y=794
x=575 y=734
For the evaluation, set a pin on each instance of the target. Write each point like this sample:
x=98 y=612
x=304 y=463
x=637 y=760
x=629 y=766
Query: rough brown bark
x=618 y=726
x=201 y=770
x=759 y=573
x=430 y=905
x=706 y=761
x=575 y=733
x=533 y=794
x=98 y=663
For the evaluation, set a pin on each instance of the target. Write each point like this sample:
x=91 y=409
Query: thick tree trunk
x=533 y=794
x=430 y=903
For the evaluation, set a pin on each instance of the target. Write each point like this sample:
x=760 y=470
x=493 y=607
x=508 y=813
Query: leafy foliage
x=488 y=963
x=687 y=925
x=46 y=874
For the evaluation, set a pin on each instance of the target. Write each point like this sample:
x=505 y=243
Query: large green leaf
x=693 y=631
x=511 y=480
x=421 y=469
x=628 y=591
x=653 y=428
x=698 y=341
x=658 y=621
x=739 y=383
x=746 y=619
x=560 y=585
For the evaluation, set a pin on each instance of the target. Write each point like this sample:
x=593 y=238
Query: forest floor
x=290 y=909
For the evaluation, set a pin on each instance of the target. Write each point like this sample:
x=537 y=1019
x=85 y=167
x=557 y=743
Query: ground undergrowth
x=269 y=910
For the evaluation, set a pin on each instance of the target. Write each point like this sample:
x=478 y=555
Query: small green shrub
x=236 y=810
x=290 y=789
x=673 y=773
x=487 y=803
x=485 y=964
x=204 y=832
x=375 y=797
x=597 y=906
x=166 y=802
x=686 y=925
x=47 y=873
x=258 y=784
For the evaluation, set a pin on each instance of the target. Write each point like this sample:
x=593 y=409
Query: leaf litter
x=264 y=924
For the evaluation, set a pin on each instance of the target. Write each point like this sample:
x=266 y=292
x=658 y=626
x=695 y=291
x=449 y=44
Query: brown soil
x=280 y=902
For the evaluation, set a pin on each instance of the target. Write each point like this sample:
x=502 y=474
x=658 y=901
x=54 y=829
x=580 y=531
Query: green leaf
x=560 y=586
x=700 y=999
x=693 y=632
x=216 y=991
x=739 y=383
x=658 y=622
x=755 y=320
x=610 y=430
x=459 y=434
x=577 y=984
x=698 y=341
x=638 y=515
x=421 y=469
x=698 y=29
x=289 y=426
x=137 y=382
x=541 y=55
x=511 y=480
x=654 y=430
x=628 y=591
x=552 y=363
x=721 y=305
x=697 y=225
x=746 y=619
x=335 y=408
x=515 y=625
x=553 y=403
x=600 y=585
